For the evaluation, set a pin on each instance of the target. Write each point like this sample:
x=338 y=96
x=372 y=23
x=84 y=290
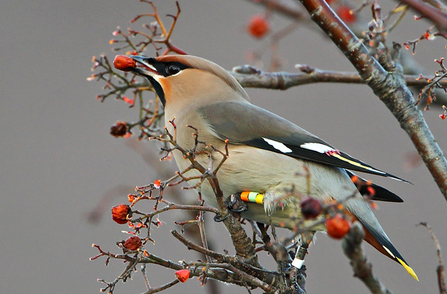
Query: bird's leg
x=306 y=239
x=276 y=249
x=298 y=279
x=235 y=203
x=219 y=218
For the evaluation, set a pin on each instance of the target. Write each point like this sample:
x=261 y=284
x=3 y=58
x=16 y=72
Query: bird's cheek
x=166 y=86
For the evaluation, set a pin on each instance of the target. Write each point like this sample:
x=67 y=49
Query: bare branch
x=362 y=268
x=388 y=84
x=250 y=77
x=440 y=269
x=162 y=287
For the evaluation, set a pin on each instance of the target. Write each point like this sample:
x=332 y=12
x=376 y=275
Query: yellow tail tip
x=409 y=269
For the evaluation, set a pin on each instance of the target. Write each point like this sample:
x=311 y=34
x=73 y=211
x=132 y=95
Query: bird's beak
x=144 y=67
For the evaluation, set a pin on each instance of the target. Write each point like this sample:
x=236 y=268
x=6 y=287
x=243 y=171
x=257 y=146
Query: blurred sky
x=58 y=158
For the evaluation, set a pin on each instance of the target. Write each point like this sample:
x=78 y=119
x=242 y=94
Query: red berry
x=182 y=275
x=258 y=26
x=120 y=212
x=157 y=184
x=124 y=63
x=346 y=15
x=337 y=227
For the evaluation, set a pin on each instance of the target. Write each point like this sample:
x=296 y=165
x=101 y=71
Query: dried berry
x=337 y=227
x=119 y=129
x=182 y=275
x=310 y=208
x=120 y=212
x=132 y=243
x=124 y=63
x=258 y=26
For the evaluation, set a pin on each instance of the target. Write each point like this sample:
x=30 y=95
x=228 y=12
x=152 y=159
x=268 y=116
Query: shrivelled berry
x=310 y=208
x=182 y=275
x=258 y=26
x=337 y=227
x=119 y=129
x=120 y=212
x=124 y=63
x=132 y=243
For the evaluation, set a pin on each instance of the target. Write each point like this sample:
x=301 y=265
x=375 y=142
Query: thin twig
x=362 y=268
x=162 y=287
x=440 y=269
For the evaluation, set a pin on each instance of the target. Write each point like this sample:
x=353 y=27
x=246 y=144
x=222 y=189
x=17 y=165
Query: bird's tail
x=382 y=243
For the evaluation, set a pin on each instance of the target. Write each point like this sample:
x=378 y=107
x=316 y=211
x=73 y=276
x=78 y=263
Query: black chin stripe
x=158 y=89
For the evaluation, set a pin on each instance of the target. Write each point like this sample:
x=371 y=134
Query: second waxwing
x=268 y=155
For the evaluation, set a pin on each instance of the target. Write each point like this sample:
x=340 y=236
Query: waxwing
x=268 y=155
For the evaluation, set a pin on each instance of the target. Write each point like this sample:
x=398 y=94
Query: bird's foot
x=235 y=204
x=220 y=218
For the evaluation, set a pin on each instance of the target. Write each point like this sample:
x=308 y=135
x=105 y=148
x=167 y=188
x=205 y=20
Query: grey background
x=57 y=158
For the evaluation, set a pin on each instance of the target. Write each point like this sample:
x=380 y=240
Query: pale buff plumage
x=267 y=153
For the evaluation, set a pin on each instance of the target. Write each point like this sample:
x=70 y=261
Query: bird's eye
x=172 y=69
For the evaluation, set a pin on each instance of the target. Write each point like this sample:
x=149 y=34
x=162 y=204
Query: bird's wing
x=373 y=191
x=245 y=123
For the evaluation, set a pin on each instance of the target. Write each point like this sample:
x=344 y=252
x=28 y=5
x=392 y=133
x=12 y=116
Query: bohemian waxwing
x=268 y=154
